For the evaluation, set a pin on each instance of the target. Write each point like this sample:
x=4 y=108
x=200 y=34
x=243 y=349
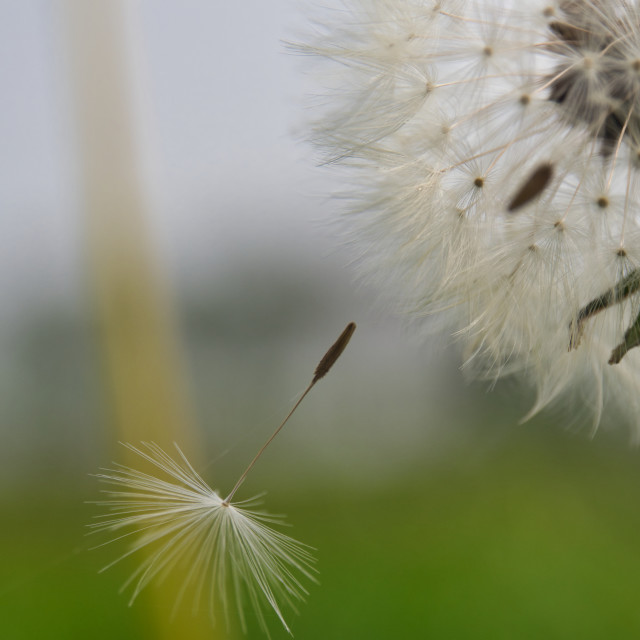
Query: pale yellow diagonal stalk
x=141 y=362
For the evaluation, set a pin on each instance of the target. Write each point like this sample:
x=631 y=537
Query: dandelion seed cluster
x=492 y=150
x=228 y=550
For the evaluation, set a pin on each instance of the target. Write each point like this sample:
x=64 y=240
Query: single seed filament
x=327 y=361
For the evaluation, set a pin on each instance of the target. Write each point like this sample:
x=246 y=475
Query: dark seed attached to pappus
x=533 y=186
x=334 y=352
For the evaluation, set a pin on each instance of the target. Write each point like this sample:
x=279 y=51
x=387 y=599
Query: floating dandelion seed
x=226 y=546
x=494 y=149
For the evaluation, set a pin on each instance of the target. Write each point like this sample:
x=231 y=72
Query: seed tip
x=334 y=352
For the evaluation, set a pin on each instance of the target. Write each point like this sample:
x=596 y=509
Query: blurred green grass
x=536 y=537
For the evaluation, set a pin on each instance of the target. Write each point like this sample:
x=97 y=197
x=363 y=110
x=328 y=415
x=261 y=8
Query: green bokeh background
x=497 y=530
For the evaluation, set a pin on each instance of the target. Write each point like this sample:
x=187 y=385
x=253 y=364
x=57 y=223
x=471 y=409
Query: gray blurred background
x=239 y=222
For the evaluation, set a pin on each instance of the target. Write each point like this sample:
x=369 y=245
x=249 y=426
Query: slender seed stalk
x=327 y=361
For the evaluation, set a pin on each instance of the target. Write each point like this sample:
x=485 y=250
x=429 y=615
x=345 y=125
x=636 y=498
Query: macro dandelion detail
x=492 y=155
x=227 y=549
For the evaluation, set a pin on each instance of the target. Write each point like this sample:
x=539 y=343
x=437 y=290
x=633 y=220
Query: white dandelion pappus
x=225 y=546
x=183 y=521
x=493 y=150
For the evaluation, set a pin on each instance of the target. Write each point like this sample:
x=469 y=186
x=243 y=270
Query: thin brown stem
x=227 y=500
x=327 y=361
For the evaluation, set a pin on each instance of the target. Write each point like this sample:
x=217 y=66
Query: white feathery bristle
x=228 y=550
x=440 y=113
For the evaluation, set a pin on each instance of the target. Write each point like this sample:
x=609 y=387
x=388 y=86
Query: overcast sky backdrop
x=218 y=100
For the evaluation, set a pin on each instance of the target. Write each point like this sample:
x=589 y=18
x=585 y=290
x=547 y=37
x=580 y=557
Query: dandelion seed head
x=229 y=552
x=439 y=115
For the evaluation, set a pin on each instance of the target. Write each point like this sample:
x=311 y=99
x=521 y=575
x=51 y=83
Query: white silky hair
x=229 y=552
x=438 y=112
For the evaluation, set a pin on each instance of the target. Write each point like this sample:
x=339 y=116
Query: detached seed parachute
x=228 y=549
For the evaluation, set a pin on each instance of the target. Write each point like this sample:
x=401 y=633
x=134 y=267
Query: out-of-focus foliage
x=509 y=531
x=538 y=539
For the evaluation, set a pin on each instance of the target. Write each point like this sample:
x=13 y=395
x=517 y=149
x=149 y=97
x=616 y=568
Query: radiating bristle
x=233 y=555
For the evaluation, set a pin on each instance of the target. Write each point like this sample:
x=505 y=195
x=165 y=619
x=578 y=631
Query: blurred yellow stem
x=142 y=365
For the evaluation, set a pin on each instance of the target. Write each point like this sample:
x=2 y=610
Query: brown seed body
x=533 y=187
x=334 y=352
